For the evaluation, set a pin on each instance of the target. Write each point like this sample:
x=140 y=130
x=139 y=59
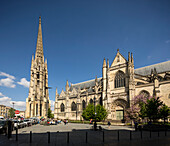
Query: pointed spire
x=67 y=86
x=107 y=63
x=39 y=48
x=104 y=63
x=56 y=92
x=132 y=58
x=129 y=59
x=96 y=81
x=118 y=50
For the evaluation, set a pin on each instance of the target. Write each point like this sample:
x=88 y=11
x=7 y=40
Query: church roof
x=86 y=84
x=160 y=67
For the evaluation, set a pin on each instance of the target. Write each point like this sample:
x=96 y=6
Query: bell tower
x=37 y=103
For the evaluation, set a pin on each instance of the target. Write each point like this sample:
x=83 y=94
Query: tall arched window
x=62 y=107
x=73 y=106
x=144 y=93
x=91 y=101
x=83 y=105
x=119 y=79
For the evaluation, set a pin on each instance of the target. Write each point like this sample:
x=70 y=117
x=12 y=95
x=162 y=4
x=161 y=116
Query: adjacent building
x=38 y=102
x=4 y=111
x=115 y=90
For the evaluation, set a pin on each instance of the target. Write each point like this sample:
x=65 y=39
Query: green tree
x=152 y=108
x=50 y=115
x=164 y=112
x=11 y=112
x=89 y=112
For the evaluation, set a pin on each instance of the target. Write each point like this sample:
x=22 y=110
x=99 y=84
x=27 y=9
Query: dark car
x=3 y=126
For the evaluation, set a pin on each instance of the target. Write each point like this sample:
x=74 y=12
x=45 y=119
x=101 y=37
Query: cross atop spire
x=39 y=48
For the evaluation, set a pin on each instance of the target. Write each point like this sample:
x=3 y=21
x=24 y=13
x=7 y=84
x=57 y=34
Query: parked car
x=22 y=124
x=3 y=126
x=16 y=124
x=27 y=122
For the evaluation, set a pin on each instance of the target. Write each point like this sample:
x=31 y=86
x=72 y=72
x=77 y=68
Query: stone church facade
x=115 y=90
x=38 y=102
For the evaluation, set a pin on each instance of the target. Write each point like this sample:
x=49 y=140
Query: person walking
x=108 y=123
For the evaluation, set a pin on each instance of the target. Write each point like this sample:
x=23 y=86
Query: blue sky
x=77 y=35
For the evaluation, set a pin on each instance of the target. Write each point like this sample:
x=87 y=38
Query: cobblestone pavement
x=81 y=135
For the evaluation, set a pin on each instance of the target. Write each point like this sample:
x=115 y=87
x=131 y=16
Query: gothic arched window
x=91 y=101
x=83 y=105
x=119 y=79
x=62 y=107
x=144 y=93
x=73 y=106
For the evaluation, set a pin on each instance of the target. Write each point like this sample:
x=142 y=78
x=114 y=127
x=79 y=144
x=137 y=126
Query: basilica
x=115 y=90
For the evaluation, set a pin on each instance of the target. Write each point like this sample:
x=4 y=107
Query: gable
x=62 y=94
x=119 y=59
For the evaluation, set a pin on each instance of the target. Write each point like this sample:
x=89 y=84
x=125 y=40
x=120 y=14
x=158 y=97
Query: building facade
x=38 y=102
x=115 y=90
x=4 y=111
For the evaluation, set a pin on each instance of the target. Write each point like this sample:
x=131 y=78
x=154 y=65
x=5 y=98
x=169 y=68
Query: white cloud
x=168 y=41
x=1 y=94
x=7 y=75
x=24 y=82
x=52 y=105
x=19 y=105
x=7 y=82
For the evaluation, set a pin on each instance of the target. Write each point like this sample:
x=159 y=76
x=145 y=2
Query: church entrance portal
x=118 y=108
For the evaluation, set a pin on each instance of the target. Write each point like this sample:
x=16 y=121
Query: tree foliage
x=50 y=115
x=89 y=112
x=150 y=107
x=11 y=112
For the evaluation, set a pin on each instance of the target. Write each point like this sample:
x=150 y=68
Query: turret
x=104 y=72
x=67 y=86
x=132 y=60
x=129 y=59
x=107 y=64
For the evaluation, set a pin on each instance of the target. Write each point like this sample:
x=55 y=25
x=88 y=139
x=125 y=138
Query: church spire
x=104 y=63
x=39 y=48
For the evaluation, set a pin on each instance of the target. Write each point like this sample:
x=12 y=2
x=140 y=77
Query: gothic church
x=115 y=90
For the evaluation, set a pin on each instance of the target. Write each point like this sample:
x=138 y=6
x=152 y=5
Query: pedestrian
x=108 y=123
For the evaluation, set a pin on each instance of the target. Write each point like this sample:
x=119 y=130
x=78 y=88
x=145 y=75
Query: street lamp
x=13 y=104
x=95 y=124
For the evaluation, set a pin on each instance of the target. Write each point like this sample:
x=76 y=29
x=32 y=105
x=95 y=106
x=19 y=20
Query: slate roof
x=160 y=67
x=86 y=84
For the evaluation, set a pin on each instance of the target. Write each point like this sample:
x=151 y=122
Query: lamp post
x=13 y=104
x=95 y=124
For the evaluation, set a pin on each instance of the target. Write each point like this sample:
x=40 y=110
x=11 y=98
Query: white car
x=27 y=122
x=16 y=124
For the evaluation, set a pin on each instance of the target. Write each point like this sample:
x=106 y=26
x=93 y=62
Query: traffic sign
x=17 y=112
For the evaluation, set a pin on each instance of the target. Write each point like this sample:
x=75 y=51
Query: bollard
x=103 y=136
x=150 y=133
x=141 y=134
x=68 y=137
x=48 y=137
x=16 y=134
x=130 y=135
x=118 y=135
x=86 y=136
x=30 y=136
x=165 y=132
x=158 y=133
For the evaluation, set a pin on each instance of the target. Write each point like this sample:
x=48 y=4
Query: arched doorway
x=119 y=106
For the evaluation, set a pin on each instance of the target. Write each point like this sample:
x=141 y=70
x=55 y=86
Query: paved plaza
x=82 y=135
